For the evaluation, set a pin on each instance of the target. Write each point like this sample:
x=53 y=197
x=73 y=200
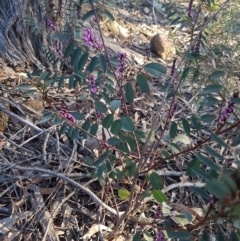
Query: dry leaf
x=94 y=229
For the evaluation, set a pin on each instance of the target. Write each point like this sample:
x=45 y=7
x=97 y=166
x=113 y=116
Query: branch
x=68 y=180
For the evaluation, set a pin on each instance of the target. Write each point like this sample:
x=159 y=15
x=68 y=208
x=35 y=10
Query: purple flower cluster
x=92 y=83
x=50 y=24
x=173 y=110
x=121 y=58
x=198 y=43
x=160 y=236
x=158 y=212
x=60 y=7
x=91 y=39
x=58 y=50
x=66 y=114
x=99 y=115
x=190 y=9
x=213 y=199
x=173 y=67
x=228 y=110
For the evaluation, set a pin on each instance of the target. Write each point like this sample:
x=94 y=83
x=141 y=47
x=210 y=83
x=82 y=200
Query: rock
x=162 y=46
x=146 y=10
x=35 y=104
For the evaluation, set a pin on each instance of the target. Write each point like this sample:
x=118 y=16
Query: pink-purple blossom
x=160 y=236
x=228 y=110
x=173 y=110
x=92 y=83
x=198 y=43
x=190 y=9
x=99 y=115
x=120 y=69
x=158 y=212
x=66 y=114
x=50 y=24
x=58 y=50
x=91 y=39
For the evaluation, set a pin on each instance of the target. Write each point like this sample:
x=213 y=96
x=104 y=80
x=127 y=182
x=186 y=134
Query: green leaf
x=186 y=126
x=88 y=15
x=213 y=153
x=234 y=236
x=195 y=163
x=123 y=194
x=236 y=100
x=183 y=138
x=100 y=106
x=77 y=115
x=156 y=181
x=219 y=189
x=93 y=63
x=196 y=123
x=175 y=148
x=143 y=84
x=131 y=142
x=204 y=236
x=200 y=191
x=89 y=161
x=155 y=69
x=94 y=129
x=123 y=147
x=46 y=117
x=137 y=236
x=212 y=89
x=218 y=140
x=180 y=235
x=210 y=101
x=85 y=127
x=185 y=73
x=82 y=61
x=129 y=92
x=68 y=51
x=147 y=236
x=61 y=81
x=100 y=171
x=159 y=196
x=102 y=62
x=75 y=56
x=217 y=74
x=208 y=118
x=208 y=162
x=114 y=141
x=71 y=82
x=105 y=97
x=42 y=76
x=127 y=124
x=107 y=121
x=74 y=134
x=116 y=127
x=115 y=104
x=109 y=15
x=173 y=130
x=202 y=174
x=63 y=129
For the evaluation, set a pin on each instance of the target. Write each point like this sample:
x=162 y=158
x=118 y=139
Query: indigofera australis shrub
x=122 y=142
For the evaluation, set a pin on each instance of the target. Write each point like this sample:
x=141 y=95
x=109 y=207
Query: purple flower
x=60 y=7
x=50 y=24
x=190 y=9
x=121 y=58
x=198 y=43
x=91 y=39
x=158 y=212
x=173 y=110
x=213 y=199
x=92 y=83
x=99 y=115
x=66 y=114
x=160 y=236
x=228 y=110
x=58 y=50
